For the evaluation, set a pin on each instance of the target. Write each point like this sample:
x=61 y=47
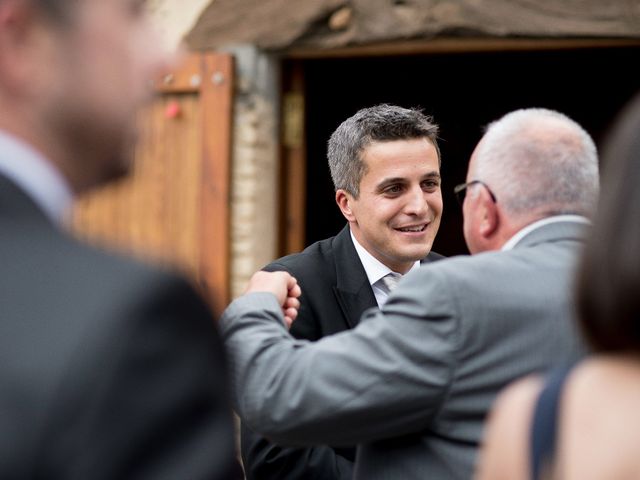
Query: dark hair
x=609 y=278
x=379 y=123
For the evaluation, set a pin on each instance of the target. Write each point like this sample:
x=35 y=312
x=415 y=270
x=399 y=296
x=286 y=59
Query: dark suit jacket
x=335 y=293
x=108 y=369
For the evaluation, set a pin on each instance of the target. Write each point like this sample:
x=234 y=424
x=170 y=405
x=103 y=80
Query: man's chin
x=415 y=255
x=117 y=168
x=109 y=171
x=119 y=162
x=105 y=153
x=417 y=250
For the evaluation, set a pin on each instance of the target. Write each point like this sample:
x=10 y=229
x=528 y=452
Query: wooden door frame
x=293 y=160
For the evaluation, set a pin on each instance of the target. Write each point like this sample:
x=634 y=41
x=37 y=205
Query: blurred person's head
x=530 y=164
x=385 y=166
x=609 y=280
x=72 y=76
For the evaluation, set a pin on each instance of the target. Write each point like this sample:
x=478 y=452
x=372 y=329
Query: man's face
x=397 y=214
x=101 y=71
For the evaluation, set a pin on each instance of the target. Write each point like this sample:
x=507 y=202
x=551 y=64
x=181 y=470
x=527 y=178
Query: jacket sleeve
x=265 y=460
x=389 y=376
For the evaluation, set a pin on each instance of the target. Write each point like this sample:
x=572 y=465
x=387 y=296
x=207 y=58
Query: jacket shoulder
x=315 y=260
x=433 y=257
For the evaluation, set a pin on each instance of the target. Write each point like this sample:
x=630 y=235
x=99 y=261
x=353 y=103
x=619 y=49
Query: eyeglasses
x=461 y=190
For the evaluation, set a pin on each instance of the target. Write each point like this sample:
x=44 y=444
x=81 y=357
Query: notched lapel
x=353 y=304
x=352 y=289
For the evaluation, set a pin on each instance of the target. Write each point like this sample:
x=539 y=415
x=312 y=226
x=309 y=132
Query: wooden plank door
x=174 y=208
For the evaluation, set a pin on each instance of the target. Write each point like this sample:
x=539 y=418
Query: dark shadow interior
x=463 y=92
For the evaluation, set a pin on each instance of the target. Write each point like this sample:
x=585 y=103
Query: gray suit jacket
x=412 y=384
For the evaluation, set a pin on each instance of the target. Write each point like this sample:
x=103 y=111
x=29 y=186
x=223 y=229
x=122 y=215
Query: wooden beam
x=442 y=45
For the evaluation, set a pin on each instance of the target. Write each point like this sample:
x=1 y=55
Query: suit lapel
x=352 y=289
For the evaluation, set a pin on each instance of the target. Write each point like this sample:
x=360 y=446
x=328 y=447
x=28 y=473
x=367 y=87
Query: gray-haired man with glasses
x=412 y=383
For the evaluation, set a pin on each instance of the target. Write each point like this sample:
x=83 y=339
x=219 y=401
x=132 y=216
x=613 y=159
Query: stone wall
x=254 y=184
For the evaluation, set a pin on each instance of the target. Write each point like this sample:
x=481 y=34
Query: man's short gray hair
x=539 y=161
x=379 y=123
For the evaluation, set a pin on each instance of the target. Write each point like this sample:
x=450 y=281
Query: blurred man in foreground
x=108 y=369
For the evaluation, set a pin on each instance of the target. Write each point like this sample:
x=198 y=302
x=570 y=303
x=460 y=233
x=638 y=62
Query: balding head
x=538 y=162
x=530 y=164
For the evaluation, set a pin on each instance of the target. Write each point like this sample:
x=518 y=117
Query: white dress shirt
x=36 y=176
x=376 y=271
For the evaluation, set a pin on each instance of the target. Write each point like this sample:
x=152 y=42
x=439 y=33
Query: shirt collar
x=34 y=174
x=373 y=267
x=513 y=241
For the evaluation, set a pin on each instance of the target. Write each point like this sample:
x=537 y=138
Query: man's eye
x=431 y=184
x=393 y=189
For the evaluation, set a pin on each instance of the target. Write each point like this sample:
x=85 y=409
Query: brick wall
x=254 y=184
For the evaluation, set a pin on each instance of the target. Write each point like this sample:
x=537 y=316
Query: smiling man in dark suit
x=108 y=368
x=385 y=166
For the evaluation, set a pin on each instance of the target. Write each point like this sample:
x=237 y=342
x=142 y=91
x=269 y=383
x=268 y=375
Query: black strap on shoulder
x=545 y=423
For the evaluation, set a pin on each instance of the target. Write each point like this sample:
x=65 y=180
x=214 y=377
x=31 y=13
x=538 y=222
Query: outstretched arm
x=387 y=377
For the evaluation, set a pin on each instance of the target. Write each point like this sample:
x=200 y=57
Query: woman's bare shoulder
x=504 y=453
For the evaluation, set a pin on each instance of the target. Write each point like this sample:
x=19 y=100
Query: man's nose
x=416 y=202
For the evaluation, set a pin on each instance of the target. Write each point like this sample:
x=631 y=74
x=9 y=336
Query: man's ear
x=490 y=221
x=343 y=199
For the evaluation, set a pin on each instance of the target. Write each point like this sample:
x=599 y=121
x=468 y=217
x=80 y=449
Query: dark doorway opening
x=464 y=92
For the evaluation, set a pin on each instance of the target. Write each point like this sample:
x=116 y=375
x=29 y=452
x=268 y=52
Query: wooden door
x=174 y=208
